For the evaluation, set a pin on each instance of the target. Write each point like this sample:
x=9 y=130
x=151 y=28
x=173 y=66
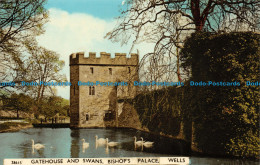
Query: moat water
x=66 y=143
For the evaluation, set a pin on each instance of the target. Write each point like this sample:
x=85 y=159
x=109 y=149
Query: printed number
x=16 y=162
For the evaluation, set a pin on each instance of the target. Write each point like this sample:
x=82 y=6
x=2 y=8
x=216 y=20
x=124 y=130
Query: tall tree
x=43 y=65
x=19 y=20
x=166 y=23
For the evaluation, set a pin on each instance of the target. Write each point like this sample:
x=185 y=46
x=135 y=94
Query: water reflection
x=100 y=141
x=85 y=145
x=139 y=146
x=106 y=145
x=66 y=143
x=74 y=150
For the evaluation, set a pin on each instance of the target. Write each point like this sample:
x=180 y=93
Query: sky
x=80 y=26
x=103 y=9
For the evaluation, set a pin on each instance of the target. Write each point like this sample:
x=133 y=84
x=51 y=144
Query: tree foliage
x=50 y=106
x=19 y=21
x=18 y=18
x=18 y=102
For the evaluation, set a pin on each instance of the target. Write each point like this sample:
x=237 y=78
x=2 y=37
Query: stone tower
x=96 y=105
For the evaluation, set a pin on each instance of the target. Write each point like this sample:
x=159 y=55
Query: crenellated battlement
x=104 y=59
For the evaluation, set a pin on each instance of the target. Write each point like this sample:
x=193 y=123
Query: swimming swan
x=137 y=142
x=146 y=143
x=37 y=146
x=111 y=144
x=100 y=140
x=84 y=144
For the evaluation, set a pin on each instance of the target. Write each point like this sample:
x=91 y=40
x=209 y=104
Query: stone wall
x=74 y=96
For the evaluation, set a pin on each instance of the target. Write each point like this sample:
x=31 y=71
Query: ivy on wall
x=159 y=110
x=226 y=118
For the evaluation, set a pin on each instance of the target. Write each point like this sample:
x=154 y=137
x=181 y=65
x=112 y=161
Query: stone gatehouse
x=95 y=105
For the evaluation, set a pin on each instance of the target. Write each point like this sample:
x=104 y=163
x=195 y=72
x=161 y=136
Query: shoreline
x=14 y=127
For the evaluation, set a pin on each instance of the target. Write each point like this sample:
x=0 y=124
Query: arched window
x=87 y=117
x=89 y=90
x=93 y=90
x=110 y=71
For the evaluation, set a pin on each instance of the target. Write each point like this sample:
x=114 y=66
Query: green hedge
x=226 y=118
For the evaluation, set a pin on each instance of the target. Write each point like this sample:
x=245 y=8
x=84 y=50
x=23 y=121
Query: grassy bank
x=13 y=126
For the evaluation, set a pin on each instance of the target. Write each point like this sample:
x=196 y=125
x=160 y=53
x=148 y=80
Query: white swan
x=37 y=146
x=84 y=144
x=147 y=143
x=100 y=140
x=111 y=144
x=138 y=143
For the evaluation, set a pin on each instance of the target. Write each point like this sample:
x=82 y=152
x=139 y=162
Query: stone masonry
x=96 y=105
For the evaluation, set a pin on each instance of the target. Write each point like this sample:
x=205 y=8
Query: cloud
x=67 y=33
